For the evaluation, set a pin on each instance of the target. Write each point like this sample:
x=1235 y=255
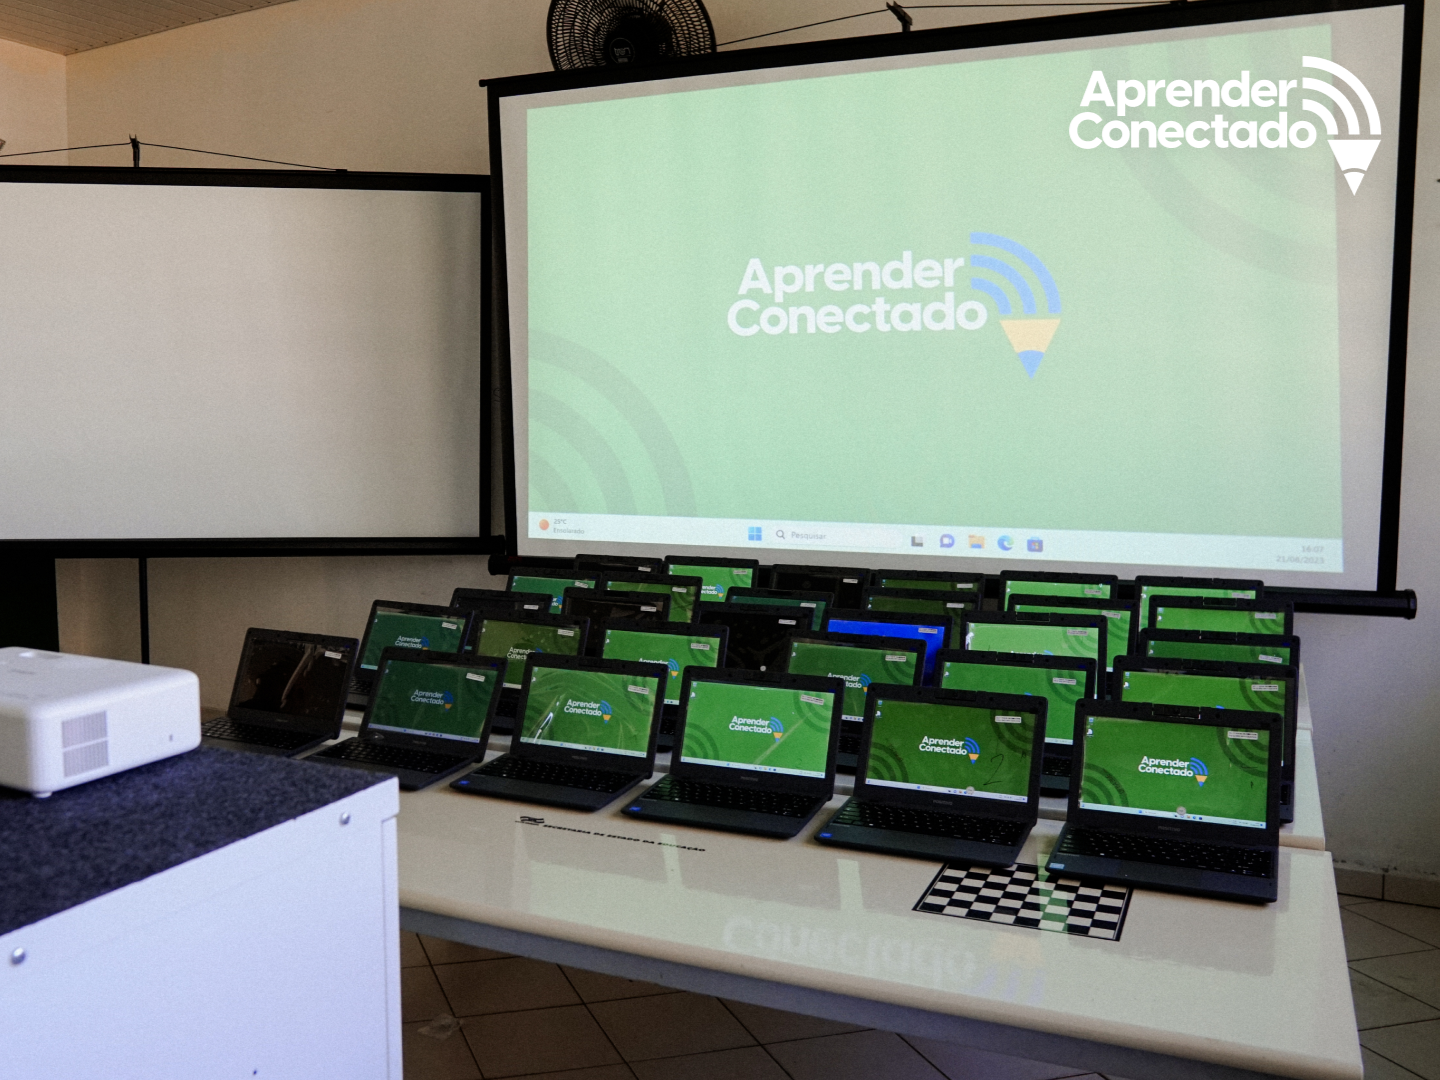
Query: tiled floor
x=470 y=1013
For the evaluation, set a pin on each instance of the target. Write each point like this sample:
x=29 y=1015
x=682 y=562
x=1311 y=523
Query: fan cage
x=577 y=30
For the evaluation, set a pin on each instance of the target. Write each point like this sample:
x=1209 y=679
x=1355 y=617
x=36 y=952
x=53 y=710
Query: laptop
x=514 y=637
x=933 y=631
x=718 y=576
x=759 y=636
x=755 y=753
x=929 y=580
x=1147 y=585
x=813 y=601
x=644 y=564
x=1221 y=684
x=1046 y=633
x=586 y=733
x=599 y=606
x=289 y=693
x=1174 y=798
x=1120 y=631
x=1221 y=645
x=945 y=775
x=1063 y=681
x=927 y=601
x=1043 y=583
x=859 y=661
x=404 y=626
x=846 y=582
x=470 y=599
x=1255 y=615
x=677 y=646
x=683 y=590
x=428 y=719
x=550 y=581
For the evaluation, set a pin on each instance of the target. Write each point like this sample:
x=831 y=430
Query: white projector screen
x=1109 y=292
x=234 y=359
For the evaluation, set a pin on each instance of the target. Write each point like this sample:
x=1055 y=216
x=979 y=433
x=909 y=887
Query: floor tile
x=593 y=986
x=1377 y=1005
x=1418 y=922
x=1364 y=938
x=420 y=995
x=1416 y=974
x=412 y=953
x=441 y=951
x=669 y=1025
x=1379 y=1068
x=509 y=985
x=541 y=1040
x=864 y=1055
x=436 y=1059
x=966 y=1063
x=1411 y=1046
x=776 y=1025
x=599 y=1072
x=745 y=1063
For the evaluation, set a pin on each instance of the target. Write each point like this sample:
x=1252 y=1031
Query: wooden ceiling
x=71 y=26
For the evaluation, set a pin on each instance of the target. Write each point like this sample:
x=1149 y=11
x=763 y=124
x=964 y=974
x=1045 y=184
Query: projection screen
x=1099 y=292
x=195 y=355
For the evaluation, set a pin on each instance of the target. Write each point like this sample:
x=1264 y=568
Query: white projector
x=67 y=720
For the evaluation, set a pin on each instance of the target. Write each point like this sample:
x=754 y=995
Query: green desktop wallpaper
x=857 y=665
x=758 y=725
x=951 y=746
x=394 y=629
x=1219 y=650
x=435 y=698
x=1206 y=618
x=718 y=580
x=514 y=641
x=1061 y=687
x=598 y=709
x=554 y=586
x=1040 y=638
x=675 y=651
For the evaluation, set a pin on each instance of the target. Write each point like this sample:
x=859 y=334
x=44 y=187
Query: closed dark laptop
x=472 y=599
x=755 y=752
x=1174 y=798
x=945 y=774
x=586 y=733
x=428 y=718
x=400 y=625
x=289 y=693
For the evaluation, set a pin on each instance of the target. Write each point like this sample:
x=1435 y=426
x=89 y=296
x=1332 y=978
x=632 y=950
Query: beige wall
x=32 y=103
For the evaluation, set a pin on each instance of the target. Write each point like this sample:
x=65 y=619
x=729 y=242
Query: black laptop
x=1121 y=630
x=816 y=603
x=607 y=563
x=1175 y=798
x=600 y=606
x=929 y=580
x=1221 y=645
x=1046 y=633
x=676 y=645
x=1046 y=583
x=944 y=774
x=1148 y=585
x=514 y=636
x=755 y=753
x=547 y=579
x=428 y=718
x=1239 y=615
x=718 y=576
x=683 y=589
x=289 y=693
x=394 y=624
x=470 y=599
x=759 y=637
x=586 y=733
x=926 y=601
x=846 y=582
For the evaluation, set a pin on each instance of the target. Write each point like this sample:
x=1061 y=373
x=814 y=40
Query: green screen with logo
x=517 y=640
x=433 y=699
x=1117 y=626
x=857 y=665
x=392 y=628
x=675 y=651
x=589 y=710
x=718 y=580
x=1041 y=638
x=815 y=607
x=954 y=749
x=1160 y=769
x=1219 y=650
x=768 y=728
x=1217 y=618
x=1062 y=687
x=1209 y=691
x=553 y=585
x=1099 y=590
x=1147 y=591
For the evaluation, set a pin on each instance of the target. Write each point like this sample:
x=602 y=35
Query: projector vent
x=83 y=729
x=85 y=758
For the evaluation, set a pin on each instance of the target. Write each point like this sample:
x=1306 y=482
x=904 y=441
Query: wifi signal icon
x=971 y=748
x=1028 y=337
x=1351 y=154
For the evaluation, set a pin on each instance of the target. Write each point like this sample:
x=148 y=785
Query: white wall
x=391 y=84
x=32 y=103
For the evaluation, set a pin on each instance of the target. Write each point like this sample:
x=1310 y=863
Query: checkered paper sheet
x=1023 y=895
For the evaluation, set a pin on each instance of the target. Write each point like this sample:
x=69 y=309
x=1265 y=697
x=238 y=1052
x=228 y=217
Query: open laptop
x=428 y=718
x=860 y=661
x=755 y=753
x=759 y=636
x=677 y=646
x=600 y=606
x=470 y=599
x=929 y=580
x=586 y=733
x=718 y=576
x=1254 y=615
x=1221 y=684
x=1221 y=645
x=847 y=583
x=683 y=590
x=1046 y=633
x=1063 y=681
x=289 y=693
x=1044 y=583
x=644 y=564
x=394 y=624
x=933 y=631
x=929 y=601
x=944 y=775
x=1174 y=798
x=1147 y=585
x=815 y=602
x=552 y=582
x=514 y=637
x=1120 y=631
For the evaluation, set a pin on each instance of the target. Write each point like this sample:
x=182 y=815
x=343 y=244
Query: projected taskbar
x=959 y=541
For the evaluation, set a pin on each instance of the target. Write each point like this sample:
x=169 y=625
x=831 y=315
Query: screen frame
x=985 y=658
x=595 y=759
x=255 y=636
x=988 y=35
x=467 y=618
x=475 y=749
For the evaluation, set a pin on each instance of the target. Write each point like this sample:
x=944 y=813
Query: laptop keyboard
x=225 y=728
x=700 y=793
x=1055 y=766
x=873 y=815
x=510 y=767
x=394 y=757
x=1250 y=862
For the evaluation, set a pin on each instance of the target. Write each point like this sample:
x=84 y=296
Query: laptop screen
x=758 y=638
x=931 y=634
x=900 y=581
x=1267 y=653
x=1099 y=590
x=683 y=598
x=1041 y=638
x=935 y=604
x=1214 y=691
x=761 y=728
x=857 y=665
x=1117 y=630
x=1062 y=687
x=1173 y=617
x=951 y=749
x=517 y=640
x=675 y=651
x=603 y=711
x=1157 y=768
x=444 y=701
x=293 y=678
x=1148 y=590
x=442 y=633
x=815 y=607
x=554 y=586
x=718 y=580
